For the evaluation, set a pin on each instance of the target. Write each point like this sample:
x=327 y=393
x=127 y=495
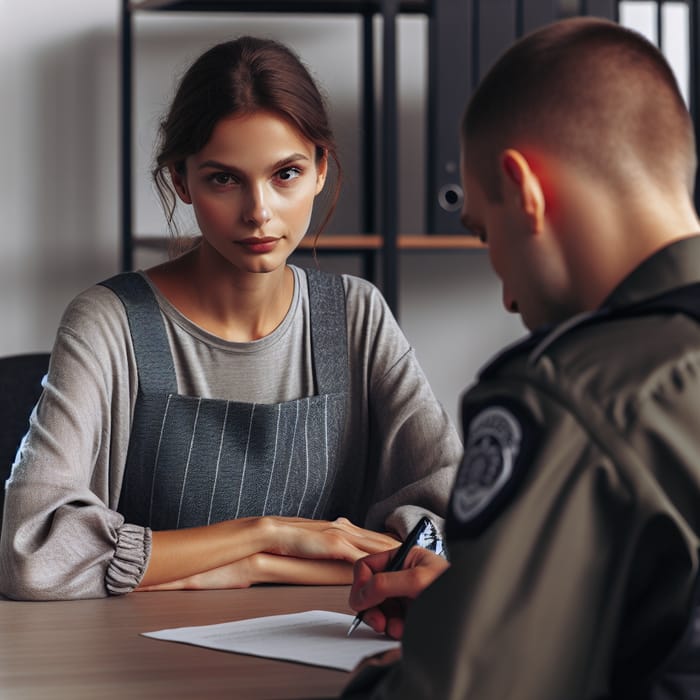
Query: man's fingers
x=379 y=561
x=384 y=585
x=363 y=594
x=387 y=619
x=373 y=584
x=376 y=619
x=394 y=627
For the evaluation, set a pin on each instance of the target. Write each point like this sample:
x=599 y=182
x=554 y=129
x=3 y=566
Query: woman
x=225 y=419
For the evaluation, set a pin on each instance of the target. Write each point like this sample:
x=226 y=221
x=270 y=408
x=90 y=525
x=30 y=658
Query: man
x=574 y=528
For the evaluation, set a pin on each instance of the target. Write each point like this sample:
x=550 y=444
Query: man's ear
x=519 y=179
x=177 y=176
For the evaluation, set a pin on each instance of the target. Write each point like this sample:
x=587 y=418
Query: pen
x=398 y=559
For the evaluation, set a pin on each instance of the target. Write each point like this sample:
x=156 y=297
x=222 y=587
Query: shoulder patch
x=497 y=449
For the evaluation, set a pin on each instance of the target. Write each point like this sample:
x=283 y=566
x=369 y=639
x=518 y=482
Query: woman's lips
x=259 y=245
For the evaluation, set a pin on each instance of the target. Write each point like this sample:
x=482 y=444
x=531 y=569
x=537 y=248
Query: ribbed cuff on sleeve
x=126 y=569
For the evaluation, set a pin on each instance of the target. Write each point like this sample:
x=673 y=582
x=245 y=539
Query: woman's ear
x=321 y=171
x=179 y=180
x=521 y=183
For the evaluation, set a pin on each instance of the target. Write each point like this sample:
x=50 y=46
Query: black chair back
x=20 y=389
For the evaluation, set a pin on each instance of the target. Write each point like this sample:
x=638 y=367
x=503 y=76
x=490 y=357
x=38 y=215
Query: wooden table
x=93 y=649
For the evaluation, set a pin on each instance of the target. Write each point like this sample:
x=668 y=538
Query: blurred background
x=60 y=167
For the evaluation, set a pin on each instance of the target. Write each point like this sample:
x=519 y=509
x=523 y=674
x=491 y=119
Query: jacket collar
x=675 y=265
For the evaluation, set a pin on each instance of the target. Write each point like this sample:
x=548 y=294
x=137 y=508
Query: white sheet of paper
x=316 y=637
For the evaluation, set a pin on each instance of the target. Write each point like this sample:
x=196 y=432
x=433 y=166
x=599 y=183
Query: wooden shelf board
x=356 y=243
x=439 y=242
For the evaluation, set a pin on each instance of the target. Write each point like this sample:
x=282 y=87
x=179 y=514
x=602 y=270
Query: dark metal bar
x=368 y=126
x=368 y=265
x=694 y=89
x=536 y=13
x=369 y=196
x=476 y=47
x=602 y=8
x=694 y=57
x=433 y=113
x=496 y=27
x=389 y=217
x=126 y=213
x=660 y=25
x=449 y=87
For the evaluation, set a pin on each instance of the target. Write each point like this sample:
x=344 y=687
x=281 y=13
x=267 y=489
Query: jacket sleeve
x=61 y=535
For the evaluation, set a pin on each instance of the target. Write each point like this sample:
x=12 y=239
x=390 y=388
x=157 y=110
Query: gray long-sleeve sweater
x=62 y=536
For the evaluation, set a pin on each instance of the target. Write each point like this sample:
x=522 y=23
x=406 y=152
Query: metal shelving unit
x=465 y=36
x=386 y=181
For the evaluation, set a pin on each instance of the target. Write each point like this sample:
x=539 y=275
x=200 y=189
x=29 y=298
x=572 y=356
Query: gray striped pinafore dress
x=195 y=461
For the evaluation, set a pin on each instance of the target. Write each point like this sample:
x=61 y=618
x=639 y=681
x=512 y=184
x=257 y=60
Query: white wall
x=58 y=186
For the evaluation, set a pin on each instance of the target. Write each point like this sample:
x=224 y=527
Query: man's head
x=582 y=109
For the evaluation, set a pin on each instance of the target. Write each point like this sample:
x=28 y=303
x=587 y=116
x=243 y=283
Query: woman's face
x=252 y=188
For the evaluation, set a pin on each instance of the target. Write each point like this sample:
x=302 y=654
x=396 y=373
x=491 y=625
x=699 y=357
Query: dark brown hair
x=588 y=91
x=236 y=78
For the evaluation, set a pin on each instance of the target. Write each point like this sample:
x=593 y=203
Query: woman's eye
x=223 y=179
x=288 y=174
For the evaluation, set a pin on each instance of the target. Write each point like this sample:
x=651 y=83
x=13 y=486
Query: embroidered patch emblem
x=493 y=445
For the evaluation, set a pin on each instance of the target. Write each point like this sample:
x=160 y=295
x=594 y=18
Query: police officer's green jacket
x=574 y=528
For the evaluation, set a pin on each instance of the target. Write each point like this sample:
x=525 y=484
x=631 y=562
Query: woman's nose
x=258 y=211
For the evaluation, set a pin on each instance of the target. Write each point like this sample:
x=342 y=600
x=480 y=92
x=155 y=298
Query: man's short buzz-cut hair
x=588 y=91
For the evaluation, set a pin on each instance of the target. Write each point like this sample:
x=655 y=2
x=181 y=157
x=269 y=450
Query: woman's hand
x=322 y=539
x=264 y=568
x=239 y=553
x=382 y=595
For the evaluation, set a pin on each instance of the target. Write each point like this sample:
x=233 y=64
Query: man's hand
x=382 y=596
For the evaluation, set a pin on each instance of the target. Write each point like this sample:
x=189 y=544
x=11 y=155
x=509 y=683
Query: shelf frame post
x=694 y=89
x=126 y=83
x=390 y=204
x=369 y=142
